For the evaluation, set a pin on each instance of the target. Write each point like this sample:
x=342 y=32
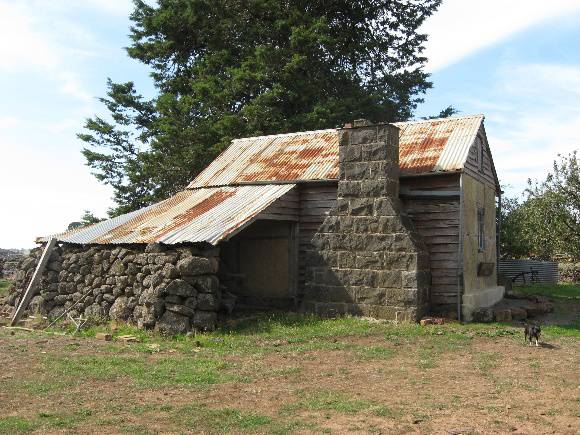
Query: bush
x=569 y=272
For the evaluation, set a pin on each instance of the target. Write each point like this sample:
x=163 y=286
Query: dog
x=532 y=332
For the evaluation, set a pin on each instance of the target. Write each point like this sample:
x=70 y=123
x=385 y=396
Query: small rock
x=190 y=266
x=180 y=288
x=519 y=314
x=120 y=309
x=484 y=315
x=180 y=309
x=154 y=248
x=172 y=323
x=207 y=302
x=432 y=321
x=503 y=315
x=105 y=336
x=205 y=320
x=118 y=268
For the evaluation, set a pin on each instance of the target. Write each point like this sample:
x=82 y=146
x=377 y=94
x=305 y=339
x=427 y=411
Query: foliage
x=546 y=224
x=445 y=113
x=86 y=219
x=512 y=241
x=225 y=69
x=557 y=202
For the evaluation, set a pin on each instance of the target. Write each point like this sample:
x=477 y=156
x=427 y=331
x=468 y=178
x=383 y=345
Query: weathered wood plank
x=27 y=296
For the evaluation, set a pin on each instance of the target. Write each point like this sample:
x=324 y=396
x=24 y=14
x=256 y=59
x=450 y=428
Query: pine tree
x=231 y=68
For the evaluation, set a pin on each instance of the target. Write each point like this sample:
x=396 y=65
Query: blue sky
x=517 y=62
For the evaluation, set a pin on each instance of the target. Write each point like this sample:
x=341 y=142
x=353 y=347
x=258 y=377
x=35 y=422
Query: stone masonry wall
x=367 y=257
x=173 y=290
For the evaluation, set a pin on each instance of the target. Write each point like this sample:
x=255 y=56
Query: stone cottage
x=388 y=220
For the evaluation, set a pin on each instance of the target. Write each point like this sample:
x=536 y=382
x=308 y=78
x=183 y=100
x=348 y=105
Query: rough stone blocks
x=368 y=258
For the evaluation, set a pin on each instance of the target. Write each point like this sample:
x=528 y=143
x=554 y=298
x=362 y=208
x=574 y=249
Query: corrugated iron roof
x=215 y=206
x=436 y=144
x=424 y=146
x=311 y=155
x=200 y=215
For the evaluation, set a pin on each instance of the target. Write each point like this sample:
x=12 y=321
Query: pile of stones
x=172 y=289
x=9 y=260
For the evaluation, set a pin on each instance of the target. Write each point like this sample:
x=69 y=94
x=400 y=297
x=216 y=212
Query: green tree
x=512 y=241
x=229 y=68
x=445 y=113
x=87 y=218
x=555 y=207
x=546 y=224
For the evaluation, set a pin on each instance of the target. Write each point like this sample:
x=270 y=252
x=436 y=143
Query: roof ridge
x=448 y=118
x=296 y=133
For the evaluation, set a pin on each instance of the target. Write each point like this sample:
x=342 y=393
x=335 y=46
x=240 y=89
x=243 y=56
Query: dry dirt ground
x=295 y=374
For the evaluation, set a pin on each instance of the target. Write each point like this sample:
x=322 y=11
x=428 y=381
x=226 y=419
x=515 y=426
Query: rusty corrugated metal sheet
x=199 y=215
x=424 y=146
x=285 y=157
x=436 y=144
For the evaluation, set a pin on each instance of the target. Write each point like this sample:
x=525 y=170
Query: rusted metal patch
x=286 y=157
x=424 y=146
x=199 y=215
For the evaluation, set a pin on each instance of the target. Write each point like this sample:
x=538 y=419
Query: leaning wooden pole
x=27 y=296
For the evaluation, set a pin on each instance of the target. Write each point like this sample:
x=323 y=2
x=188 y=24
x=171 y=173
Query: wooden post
x=25 y=300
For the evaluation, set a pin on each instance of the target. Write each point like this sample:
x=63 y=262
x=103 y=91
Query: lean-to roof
x=193 y=215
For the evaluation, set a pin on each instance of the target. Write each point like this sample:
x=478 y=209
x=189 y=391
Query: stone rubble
x=172 y=289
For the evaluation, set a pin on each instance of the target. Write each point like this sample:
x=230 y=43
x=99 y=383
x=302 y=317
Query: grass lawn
x=293 y=373
x=562 y=292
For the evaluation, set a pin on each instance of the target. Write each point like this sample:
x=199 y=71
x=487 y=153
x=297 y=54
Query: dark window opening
x=481 y=229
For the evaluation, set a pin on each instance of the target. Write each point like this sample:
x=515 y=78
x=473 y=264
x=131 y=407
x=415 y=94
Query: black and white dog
x=532 y=332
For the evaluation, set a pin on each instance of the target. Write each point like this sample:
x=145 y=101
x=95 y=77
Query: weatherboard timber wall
x=437 y=220
x=316 y=201
x=367 y=257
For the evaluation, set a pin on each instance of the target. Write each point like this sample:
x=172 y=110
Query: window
x=481 y=156
x=481 y=229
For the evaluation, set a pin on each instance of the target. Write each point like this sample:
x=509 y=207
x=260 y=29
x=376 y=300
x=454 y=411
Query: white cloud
x=34 y=38
x=21 y=44
x=531 y=81
x=44 y=190
x=461 y=27
x=72 y=86
x=537 y=118
x=114 y=7
x=9 y=122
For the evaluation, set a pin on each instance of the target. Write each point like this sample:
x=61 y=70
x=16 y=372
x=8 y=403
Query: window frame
x=481 y=229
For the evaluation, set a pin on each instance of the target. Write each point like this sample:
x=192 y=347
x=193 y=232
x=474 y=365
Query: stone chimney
x=367 y=257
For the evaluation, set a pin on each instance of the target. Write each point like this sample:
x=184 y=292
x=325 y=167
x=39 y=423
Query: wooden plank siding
x=285 y=208
x=472 y=167
x=437 y=220
x=315 y=204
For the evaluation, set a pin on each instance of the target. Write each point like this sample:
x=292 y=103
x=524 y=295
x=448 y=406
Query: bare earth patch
x=284 y=375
